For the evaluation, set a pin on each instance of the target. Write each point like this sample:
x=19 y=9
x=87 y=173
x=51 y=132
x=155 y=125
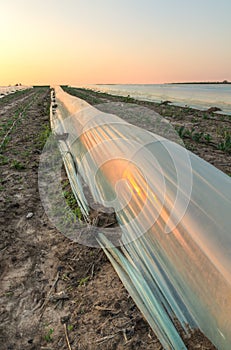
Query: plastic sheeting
x=6 y=90
x=174 y=255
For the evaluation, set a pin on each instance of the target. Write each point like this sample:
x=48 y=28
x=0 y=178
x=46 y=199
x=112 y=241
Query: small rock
x=164 y=103
x=58 y=296
x=29 y=215
x=213 y=109
x=64 y=319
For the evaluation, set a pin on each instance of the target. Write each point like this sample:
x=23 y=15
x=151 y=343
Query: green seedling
x=44 y=135
x=4 y=142
x=17 y=165
x=225 y=145
x=48 y=336
x=83 y=281
x=207 y=137
x=3 y=160
x=196 y=136
x=65 y=277
x=181 y=131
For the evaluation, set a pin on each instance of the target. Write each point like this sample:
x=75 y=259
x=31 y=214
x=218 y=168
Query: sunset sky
x=114 y=41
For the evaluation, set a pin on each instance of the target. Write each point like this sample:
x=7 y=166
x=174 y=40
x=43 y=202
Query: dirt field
x=56 y=294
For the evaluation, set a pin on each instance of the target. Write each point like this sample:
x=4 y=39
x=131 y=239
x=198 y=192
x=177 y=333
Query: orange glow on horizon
x=78 y=43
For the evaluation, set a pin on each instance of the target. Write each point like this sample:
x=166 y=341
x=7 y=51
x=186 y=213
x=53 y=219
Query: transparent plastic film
x=173 y=209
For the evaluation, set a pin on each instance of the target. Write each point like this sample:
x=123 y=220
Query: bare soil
x=56 y=294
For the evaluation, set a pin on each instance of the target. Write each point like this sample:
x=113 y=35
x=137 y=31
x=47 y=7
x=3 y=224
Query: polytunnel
x=173 y=253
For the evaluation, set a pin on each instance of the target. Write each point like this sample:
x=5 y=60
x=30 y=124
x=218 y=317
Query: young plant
x=3 y=160
x=44 y=135
x=181 y=131
x=207 y=137
x=48 y=336
x=225 y=145
x=17 y=165
x=83 y=281
x=196 y=136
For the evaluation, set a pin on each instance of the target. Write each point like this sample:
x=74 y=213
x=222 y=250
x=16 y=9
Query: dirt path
x=51 y=288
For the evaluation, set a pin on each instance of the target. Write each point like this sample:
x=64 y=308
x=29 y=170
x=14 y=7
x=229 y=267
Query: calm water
x=201 y=96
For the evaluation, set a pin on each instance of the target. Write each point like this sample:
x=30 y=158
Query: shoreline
x=170 y=83
x=173 y=98
x=225 y=82
x=130 y=99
